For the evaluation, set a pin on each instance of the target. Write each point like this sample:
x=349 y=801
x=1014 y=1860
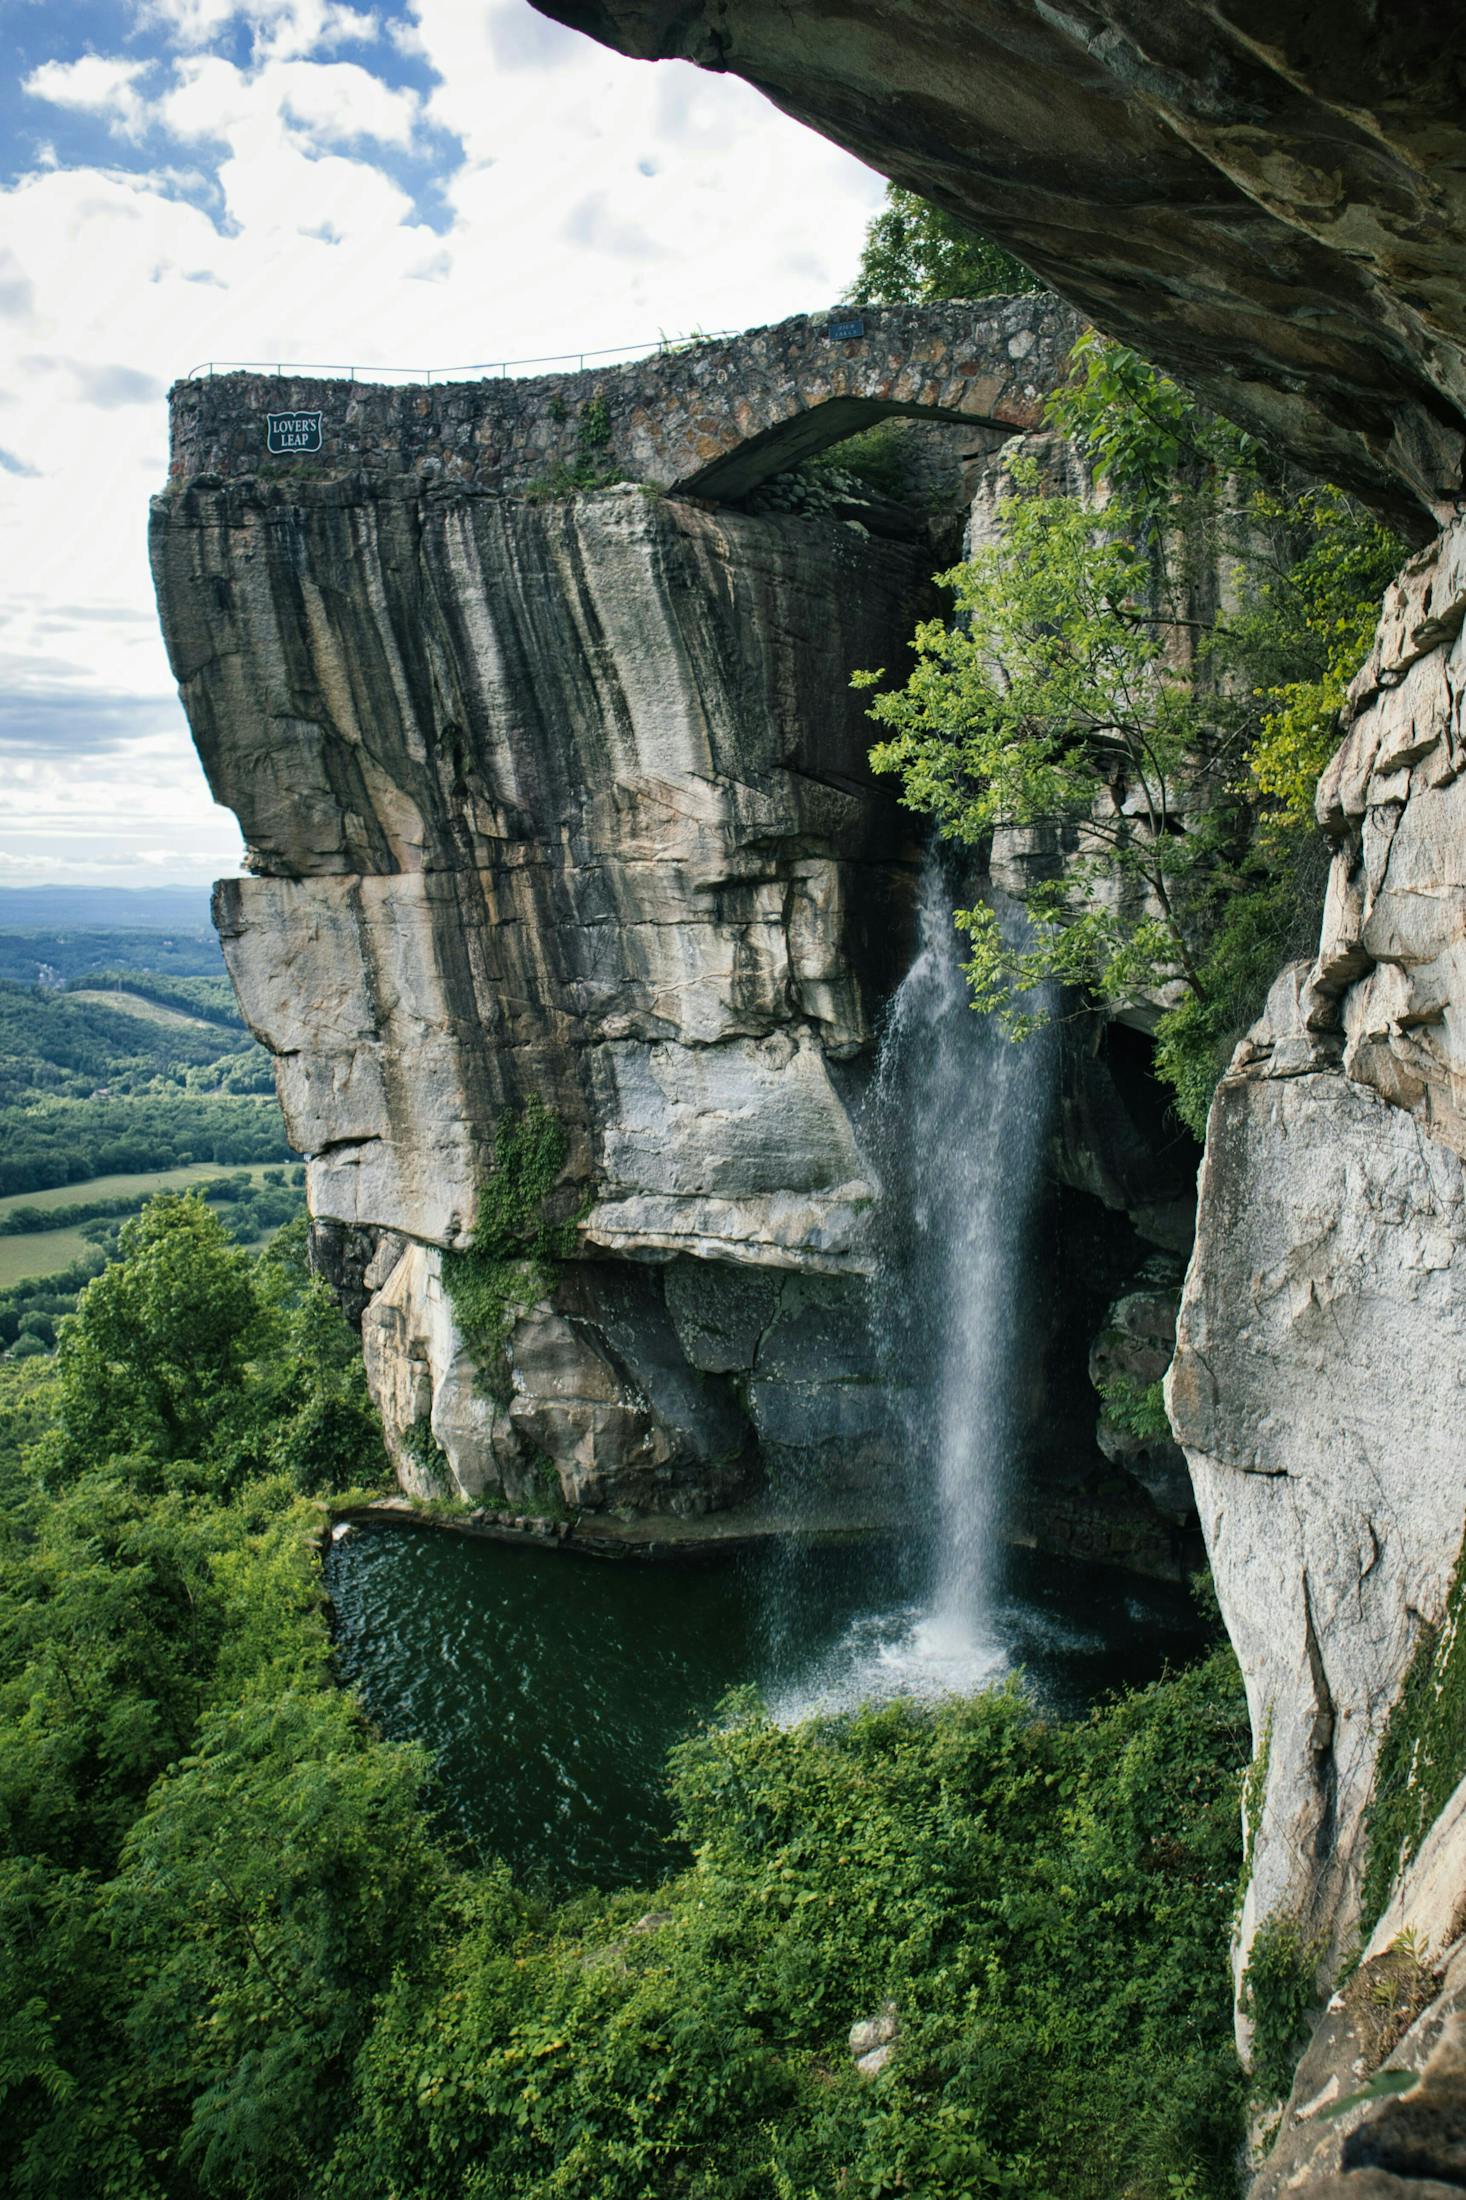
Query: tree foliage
x=915 y=254
x=238 y=1962
x=1053 y=702
x=1157 y=738
x=188 y=1356
x=156 y=1359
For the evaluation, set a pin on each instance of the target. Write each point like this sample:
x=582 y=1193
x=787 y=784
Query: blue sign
x=845 y=324
x=292 y=432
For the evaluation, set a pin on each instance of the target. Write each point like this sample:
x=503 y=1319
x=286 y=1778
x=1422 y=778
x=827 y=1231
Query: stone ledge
x=698 y=1539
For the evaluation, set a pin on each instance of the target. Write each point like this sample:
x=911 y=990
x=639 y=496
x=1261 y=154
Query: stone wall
x=711 y=418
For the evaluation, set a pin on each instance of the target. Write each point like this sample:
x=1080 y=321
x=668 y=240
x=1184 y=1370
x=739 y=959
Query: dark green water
x=550 y=1688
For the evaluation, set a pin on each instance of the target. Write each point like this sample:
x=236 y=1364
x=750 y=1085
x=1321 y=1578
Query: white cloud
x=100 y=818
x=94 y=85
x=283 y=30
x=323 y=103
x=406 y=37
x=106 y=385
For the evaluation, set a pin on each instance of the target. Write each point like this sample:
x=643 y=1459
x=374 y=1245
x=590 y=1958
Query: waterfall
x=962 y=1113
x=957 y=1122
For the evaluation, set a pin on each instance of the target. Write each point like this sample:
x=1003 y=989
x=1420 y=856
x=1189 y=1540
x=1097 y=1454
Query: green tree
x=237 y=1962
x=197 y=1361
x=1054 y=701
x=265 y=1896
x=155 y=1361
x=914 y=253
x=312 y=1418
x=1082 y=692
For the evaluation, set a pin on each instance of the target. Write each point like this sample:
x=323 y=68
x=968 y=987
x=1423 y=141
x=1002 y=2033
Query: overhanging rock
x=1268 y=199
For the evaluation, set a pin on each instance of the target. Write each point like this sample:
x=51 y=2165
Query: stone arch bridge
x=710 y=419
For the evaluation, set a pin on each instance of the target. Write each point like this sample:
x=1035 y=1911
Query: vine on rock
x=517 y=1241
x=1423 y=1756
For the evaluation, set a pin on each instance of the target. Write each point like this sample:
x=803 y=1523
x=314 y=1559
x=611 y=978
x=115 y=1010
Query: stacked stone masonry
x=710 y=418
x=1268 y=199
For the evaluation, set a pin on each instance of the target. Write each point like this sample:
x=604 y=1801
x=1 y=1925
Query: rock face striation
x=1269 y=200
x=1318 y=1382
x=562 y=801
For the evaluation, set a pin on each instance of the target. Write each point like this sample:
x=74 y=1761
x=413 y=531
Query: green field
x=36 y=1253
x=42 y=1253
x=133 y=1077
x=133 y=1004
x=62 y=1196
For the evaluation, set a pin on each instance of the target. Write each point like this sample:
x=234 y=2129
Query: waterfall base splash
x=907 y=1651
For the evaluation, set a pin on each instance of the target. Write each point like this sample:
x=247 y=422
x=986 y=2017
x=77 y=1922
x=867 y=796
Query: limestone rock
x=562 y=800
x=1318 y=1383
x=1378 y=2106
x=1392 y=966
x=1134 y=1350
x=569 y=798
x=873 y=2043
x=427 y=1385
x=1317 y=1391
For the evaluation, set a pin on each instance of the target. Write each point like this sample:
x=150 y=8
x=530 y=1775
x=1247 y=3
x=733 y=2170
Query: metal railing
x=626 y=353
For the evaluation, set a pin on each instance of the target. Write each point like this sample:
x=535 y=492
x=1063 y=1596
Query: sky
x=421 y=183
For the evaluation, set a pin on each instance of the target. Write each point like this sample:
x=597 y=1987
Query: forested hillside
x=245 y=1961
x=124 y=1071
x=120 y=1052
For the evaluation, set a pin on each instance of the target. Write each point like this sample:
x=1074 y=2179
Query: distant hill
x=138 y=908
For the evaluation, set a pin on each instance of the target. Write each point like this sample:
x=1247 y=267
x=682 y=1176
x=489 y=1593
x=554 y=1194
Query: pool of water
x=550 y=1688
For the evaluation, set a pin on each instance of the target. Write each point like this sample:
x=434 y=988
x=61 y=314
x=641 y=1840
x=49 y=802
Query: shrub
x=1136 y=1409
x=1280 y=1994
x=1423 y=1755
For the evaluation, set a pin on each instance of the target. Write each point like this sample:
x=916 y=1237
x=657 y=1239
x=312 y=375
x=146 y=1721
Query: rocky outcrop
x=1315 y=1391
x=564 y=800
x=1377 y=2109
x=1127 y=1361
x=1393 y=951
x=1267 y=201
x=1271 y=205
x=1317 y=1382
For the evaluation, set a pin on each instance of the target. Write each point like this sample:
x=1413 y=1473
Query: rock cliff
x=563 y=799
x=1270 y=203
x=1318 y=1379
x=560 y=800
